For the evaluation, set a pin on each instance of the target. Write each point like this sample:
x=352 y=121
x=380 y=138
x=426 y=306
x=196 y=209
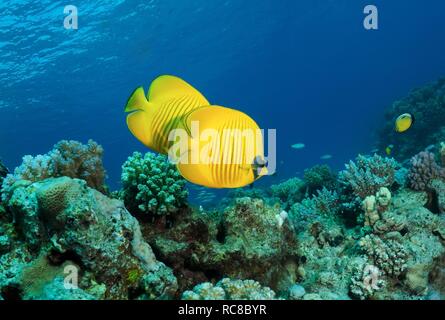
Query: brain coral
x=153 y=185
x=368 y=174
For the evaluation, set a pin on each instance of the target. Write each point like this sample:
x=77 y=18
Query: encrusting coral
x=68 y=158
x=152 y=185
x=229 y=289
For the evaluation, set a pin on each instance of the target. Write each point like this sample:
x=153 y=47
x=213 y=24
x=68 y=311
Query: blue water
x=305 y=67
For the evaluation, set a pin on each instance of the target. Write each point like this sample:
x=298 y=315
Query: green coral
x=319 y=177
x=152 y=185
x=229 y=289
x=288 y=192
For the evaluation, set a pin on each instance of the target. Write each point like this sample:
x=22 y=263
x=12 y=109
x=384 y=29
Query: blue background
x=307 y=68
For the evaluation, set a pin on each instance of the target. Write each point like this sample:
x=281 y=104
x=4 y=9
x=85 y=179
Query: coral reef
x=67 y=158
x=375 y=232
x=389 y=256
x=288 y=192
x=366 y=282
x=246 y=241
x=61 y=222
x=423 y=170
x=228 y=289
x=323 y=202
x=3 y=171
x=367 y=175
x=152 y=185
x=319 y=177
x=427 y=105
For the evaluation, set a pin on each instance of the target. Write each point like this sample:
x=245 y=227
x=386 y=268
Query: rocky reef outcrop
x=61 y=229
x=249 y=240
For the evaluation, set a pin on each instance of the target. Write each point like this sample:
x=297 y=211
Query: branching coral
x=423 y=170
x=152 y=185
x=288 y=192
x=228 y=289
x=388 y=255
x=324 y=202
x=67 y=158
x=319 y=177
x=368 y=174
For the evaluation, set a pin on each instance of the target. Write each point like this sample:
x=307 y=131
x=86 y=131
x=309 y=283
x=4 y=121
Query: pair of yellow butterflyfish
x=231 y=141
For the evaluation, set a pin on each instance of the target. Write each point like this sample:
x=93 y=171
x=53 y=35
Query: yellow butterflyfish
x=225 y=148
x=152 y=117
x=404 y=122
x=225 y=152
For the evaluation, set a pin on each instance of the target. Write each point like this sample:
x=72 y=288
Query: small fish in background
x=298 y=146
x=375 y=150
x=404 y=122
x=388 y=149
x=326 y=157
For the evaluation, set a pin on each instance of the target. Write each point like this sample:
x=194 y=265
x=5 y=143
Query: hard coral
x=368 y=174
x=288 y=192
x=245 y=242
x=319 y=177
x=67 y=158
x=366 y=281
x=388 y=255
x=423 y=170
x=152 y=185
x=63 y=220
x=228 y=289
